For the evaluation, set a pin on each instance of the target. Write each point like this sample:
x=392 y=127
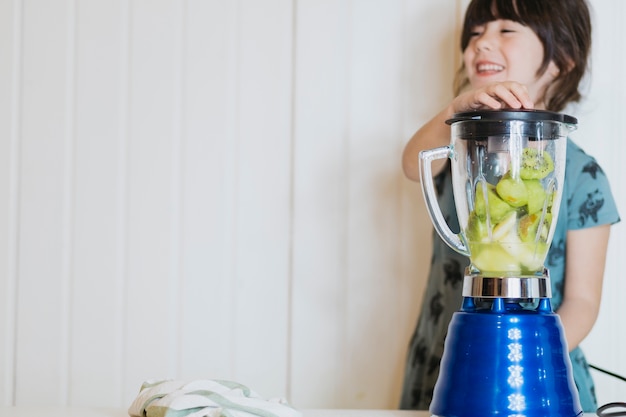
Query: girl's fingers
x=496 y=96
x=507 y=96
x=510 y=94
x=521 y=93
x=485 y=99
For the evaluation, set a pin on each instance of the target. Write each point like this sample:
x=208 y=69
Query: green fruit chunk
x=529 y=226
x=535 y=164
x=493 y=259
x=498 y=208
x=513 y=191
x=476 y=230
x=505 y=230
x=536 y=195
x=532 y=260
x=530 y=255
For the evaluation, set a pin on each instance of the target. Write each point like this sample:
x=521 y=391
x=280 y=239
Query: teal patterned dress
x=587 y=202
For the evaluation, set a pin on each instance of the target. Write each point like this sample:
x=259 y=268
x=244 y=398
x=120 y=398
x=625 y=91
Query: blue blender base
x=505 y=360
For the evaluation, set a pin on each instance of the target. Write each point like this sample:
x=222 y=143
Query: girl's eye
x=507 y=31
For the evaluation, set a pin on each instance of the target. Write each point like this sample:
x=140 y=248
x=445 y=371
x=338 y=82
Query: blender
x=505 y=353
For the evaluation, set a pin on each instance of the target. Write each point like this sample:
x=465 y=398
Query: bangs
x=484 y=11
x=528 y=13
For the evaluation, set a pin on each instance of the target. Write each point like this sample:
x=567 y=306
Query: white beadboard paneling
x=152 y=338
x=209 y=143
x=9 y=153
x=45 y=190
x=431 y=60
x=373 y=225
x=262 y=196
x=97 y=305
x=318 y=343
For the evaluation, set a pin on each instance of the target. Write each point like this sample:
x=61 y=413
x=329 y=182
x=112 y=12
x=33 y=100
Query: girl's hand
x=509 y=94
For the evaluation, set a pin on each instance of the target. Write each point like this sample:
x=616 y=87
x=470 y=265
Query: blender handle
x=426 y=158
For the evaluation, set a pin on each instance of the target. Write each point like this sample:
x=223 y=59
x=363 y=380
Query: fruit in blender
x=536 y=195
x=509 y=226
x=530 y=224
x=498 y=208
x=535 y=164
x=512 y=190
x=477 y=230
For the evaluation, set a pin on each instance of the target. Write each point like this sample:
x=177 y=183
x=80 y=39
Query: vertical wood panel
x=43 y=293
x=208 y=147
x=318 y=342
x=263 y=186
x=373 y=225
x=97 y=287
x=152 y=332
x=9 y=99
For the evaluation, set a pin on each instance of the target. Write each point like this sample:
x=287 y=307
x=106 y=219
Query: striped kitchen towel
x=205 y=398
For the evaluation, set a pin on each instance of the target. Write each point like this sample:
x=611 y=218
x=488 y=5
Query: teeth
x=490 y=67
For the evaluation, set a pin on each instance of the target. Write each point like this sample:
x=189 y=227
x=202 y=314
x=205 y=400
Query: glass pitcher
x=508 y=169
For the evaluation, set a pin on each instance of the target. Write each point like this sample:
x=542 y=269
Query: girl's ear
x=569 y=66
x=553 y=71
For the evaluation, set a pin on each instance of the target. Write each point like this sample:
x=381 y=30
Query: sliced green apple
x=512 y=190
x=498 y=208
x=536 y=195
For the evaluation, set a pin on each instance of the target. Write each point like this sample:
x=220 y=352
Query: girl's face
x=504 y=50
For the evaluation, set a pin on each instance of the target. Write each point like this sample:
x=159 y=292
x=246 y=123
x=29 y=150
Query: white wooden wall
x=212 y=189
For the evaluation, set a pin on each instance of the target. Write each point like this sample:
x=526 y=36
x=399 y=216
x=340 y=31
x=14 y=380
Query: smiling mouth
x=490 y=68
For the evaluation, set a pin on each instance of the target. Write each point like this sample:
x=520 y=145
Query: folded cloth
x=205 y=398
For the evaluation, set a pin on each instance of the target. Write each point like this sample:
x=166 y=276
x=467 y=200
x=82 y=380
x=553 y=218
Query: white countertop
x=38 y=411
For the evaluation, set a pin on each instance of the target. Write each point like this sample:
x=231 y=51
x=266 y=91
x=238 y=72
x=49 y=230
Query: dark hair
x=564 y=28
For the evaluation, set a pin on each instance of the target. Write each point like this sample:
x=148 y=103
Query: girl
x=528 y=54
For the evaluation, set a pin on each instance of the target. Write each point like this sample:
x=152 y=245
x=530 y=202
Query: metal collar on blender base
x=531 y=286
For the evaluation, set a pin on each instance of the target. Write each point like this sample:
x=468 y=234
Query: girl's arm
x=584 y=273
x=436 y=132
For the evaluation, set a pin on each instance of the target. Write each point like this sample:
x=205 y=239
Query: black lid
x=511 y=114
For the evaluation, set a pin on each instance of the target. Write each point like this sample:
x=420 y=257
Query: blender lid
x=525 y=115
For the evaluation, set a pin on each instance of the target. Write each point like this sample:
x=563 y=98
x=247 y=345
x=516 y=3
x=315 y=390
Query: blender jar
x=508 y=169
